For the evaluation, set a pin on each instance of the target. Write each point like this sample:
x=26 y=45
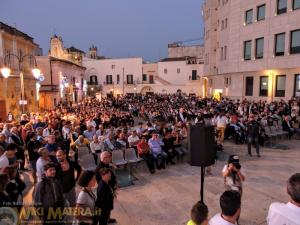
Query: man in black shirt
x=105 y=197
x=66 y=175
x=252 y=135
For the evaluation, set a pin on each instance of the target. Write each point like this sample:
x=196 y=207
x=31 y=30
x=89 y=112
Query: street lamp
x=6 y=71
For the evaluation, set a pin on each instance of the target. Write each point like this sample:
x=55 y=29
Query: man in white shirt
x=222 y=122
x=230 y=202
x=133 y=139
x=289 y=213
x=7 y=154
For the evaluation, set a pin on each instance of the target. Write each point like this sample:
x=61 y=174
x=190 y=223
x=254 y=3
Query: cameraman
x=233 y=174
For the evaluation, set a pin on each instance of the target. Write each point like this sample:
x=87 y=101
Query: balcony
x=108 y=83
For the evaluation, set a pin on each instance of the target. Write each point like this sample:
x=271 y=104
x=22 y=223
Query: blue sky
x=119 y=28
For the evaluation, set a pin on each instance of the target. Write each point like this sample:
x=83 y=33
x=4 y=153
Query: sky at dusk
x=119 y=28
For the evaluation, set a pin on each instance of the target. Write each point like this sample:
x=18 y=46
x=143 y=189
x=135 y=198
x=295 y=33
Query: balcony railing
x=108 y=83
x=92 y=83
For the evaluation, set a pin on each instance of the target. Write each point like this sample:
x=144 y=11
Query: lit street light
x=6 y=71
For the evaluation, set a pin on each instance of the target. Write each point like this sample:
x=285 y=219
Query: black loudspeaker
x=201 y=145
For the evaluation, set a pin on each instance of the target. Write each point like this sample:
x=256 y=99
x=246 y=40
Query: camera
x=237 y=165
x=234 y=159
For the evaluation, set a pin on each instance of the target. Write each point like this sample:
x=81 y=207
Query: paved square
x=166 y=197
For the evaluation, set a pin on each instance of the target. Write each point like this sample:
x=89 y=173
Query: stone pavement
x=166 y=197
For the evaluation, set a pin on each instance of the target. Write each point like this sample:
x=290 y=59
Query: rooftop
x=14 y=31
x=184 y=58
x=73 y=49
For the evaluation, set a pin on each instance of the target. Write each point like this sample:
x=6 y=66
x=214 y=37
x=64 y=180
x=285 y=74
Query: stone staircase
x=161 y=80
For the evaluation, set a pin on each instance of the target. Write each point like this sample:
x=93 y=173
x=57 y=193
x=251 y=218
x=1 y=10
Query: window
x=263 y=87
x=151 y=79
x=280 y=86
x=118 y=78
x=259 y=48
x=93 y=80
x=113 y=66
x=144 y=77
x=279 y=44
x=222 y=26
x=129 y=79
x=109 y=79
x=165 y=71
x=297 y=85
x=247 y=50
x=281 y=6
x=296 y=4
x=249 y=16
x=295 y=42
x=225 y=53
x=194 y=74
x=249 y=86
x=226 y=21
x=221 y=53
x=261 y=12
x=178 y=70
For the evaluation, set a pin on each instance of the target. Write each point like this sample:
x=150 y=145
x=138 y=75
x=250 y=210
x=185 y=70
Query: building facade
x=131 y=75
x=13 y=41
x=176 y=50
x=252 y=48
x=64 y=75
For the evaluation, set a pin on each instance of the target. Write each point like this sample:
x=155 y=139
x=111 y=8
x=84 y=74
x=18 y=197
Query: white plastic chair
x=131 y=156
x=82 y=151
x=87 y=162
x=118 y=158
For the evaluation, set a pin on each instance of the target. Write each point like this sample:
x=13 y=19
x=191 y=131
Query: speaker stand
x=202 y=184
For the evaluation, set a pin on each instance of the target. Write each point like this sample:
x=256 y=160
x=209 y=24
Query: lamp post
x=6 y=71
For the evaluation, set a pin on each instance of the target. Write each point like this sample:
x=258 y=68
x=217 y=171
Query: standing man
x=252 y=135
x=182 y=116
x=222 y=122
x=66 y=175
x=289 y=213
x=230 y=202
x=17 y=140
x=48 y=194
x=105 y=197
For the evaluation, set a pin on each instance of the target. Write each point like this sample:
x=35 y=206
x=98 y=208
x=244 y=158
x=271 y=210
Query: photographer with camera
x=233 y=174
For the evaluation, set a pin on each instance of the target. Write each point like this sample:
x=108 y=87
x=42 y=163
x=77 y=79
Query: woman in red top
x=145 y=153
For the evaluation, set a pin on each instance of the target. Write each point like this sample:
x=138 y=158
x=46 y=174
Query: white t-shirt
x=132 y=139
x=218 y=220
x=3 y=162
x=222 y=121
x=283 y=214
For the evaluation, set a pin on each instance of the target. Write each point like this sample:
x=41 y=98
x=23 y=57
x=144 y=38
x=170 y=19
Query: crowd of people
x=155 y=126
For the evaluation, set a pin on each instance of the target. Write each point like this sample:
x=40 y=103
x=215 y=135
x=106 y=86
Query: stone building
x=176 y=50
x=252 y=48
x=132 y=75
x=16 y=42
x=64 y=75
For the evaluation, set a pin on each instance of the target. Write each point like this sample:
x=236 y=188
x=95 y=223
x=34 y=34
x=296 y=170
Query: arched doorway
x=146 y=90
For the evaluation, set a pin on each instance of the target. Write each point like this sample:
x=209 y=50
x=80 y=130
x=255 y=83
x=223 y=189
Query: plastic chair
x=131 y=156
x=82 y=151
x=118 y=158
x=87 y=162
